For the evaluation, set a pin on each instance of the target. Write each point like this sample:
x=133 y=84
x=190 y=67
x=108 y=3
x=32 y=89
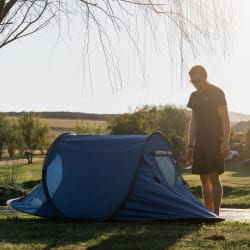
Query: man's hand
x=224 y=150
x=189 y=156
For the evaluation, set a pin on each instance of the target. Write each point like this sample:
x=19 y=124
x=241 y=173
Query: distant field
x=69 y=124
x=60 y=123
x=60 y=126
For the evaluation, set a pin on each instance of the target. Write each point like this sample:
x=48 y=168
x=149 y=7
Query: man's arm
x=192 y=130
x=191 y=141
x=223 y=113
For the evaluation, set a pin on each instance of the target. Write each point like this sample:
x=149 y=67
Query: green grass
x=30 y=232
x=24 y=172
x=28 y=172
x=27 y=232
x=235 y=174
x=236 y=185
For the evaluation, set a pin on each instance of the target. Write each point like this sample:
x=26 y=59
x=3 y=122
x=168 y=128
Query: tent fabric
x=94 y=165
x=112 y=177
x=34 y=203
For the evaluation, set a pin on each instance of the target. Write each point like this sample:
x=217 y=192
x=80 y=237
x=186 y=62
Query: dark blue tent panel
x=91 y=170
x=113 y=177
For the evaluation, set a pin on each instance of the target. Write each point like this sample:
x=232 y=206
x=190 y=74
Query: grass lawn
x=236 y=183
x=29 y=232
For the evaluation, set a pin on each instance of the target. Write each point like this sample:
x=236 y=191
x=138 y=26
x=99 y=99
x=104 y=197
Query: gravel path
x=241 y=215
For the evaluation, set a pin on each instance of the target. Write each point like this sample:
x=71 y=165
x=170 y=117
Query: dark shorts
x=207 y=158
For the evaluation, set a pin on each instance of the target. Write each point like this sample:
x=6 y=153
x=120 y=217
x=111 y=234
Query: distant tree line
x=27 y=132
x=66 y=115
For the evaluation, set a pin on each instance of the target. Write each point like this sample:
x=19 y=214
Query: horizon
x=231 y=113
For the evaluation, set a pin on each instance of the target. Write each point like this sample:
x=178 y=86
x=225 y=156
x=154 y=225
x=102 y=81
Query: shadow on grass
x=92 y=235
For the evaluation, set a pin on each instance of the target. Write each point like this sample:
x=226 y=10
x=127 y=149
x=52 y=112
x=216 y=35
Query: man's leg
x=217 y=192
x=212 y=191
x=207 y=191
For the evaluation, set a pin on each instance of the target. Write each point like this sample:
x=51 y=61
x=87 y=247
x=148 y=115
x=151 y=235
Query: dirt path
x=19 y=161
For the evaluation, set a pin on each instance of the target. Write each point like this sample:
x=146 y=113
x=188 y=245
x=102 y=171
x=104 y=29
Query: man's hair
x=198 y=69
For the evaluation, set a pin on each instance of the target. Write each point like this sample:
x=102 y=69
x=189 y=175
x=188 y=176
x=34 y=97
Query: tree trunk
x=29 y=156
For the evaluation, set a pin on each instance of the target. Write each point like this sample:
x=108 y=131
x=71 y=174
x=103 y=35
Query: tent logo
x=36 y=202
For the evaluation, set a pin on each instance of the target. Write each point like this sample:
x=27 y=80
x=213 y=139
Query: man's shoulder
x=214 y=88
x=194 y=93
x=217 y=95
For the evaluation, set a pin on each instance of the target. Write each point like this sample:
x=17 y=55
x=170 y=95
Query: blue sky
x=43 y=73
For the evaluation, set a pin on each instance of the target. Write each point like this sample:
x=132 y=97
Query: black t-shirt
x=204 y=105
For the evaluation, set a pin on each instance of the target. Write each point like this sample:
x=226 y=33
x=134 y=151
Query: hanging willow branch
x=187 y=25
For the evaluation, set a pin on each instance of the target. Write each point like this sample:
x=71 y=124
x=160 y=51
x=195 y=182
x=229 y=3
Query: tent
x=112 y=177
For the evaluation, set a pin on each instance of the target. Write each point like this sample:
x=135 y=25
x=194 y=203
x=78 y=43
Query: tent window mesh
x=167 y=169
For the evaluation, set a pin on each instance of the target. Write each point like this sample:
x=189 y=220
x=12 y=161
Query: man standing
x=208 y=138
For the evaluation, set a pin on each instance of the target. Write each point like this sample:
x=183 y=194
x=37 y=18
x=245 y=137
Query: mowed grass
x=29 y=232
x=23 y=172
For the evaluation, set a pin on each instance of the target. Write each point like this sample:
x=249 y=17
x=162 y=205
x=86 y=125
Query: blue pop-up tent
x=112 y=177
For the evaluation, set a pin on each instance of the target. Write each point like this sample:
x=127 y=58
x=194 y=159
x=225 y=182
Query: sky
x=44 y=73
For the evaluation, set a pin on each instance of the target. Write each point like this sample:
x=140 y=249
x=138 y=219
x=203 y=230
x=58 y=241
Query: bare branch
x=188 y=26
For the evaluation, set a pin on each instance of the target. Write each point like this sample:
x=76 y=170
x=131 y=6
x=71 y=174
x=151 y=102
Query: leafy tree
x=35 y=133
x=170 y=120
x=84 y=127
x=173 y=120
x=15 y=140
x=139 y=122
x=174 y=123
x=178 y=145
x=4 y=125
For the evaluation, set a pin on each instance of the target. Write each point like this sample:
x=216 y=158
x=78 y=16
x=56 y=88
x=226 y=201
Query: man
x=208 y=138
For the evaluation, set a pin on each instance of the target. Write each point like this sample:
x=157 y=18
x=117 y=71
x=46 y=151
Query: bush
x=7 y=192
x=170 y=120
